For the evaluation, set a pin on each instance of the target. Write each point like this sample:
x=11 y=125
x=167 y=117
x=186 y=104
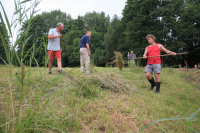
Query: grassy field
x=107 y=100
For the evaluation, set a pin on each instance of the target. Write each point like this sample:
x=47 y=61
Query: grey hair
x=59 y=24
x=131 y=51
x=88 y=31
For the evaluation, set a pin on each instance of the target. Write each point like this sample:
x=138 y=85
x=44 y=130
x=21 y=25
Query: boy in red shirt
x=154 y=63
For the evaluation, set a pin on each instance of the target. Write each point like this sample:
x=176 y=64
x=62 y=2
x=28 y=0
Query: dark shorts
x=153 y=67
x=51 y=54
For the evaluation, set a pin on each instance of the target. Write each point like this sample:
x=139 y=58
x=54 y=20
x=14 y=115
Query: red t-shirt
x=153 y=51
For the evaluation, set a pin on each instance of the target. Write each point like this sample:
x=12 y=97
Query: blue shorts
x=153 y=67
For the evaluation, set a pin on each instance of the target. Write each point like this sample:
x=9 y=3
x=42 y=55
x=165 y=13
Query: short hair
x=151 y=36
x=131 y=51
x=88 y=31
x=60 y=24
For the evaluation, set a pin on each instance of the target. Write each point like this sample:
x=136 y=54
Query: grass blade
x=194 y=131
x=185 y=111
x=3 y=61
x=193 y=115
x=51 y=127
x=5 y=47
x=8 y=24
x=53 y=81
x=166 y=119
x=24 y=1
x=38 y=67
x=17 y=57
x=4 y=26
x=19 y=79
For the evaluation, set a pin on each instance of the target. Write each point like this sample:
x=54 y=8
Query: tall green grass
x=24 y=105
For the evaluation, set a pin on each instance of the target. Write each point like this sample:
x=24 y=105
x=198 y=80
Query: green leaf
x=18 y=77
x=166 y=119
x=194 y=131
x=17 y=57
x=193 y=115
x=45 y=103
x=185 y=111
x=24 y=1
x=3 y=61
x=38 y=67
x=162 y=131
x=5 y=48
x=53 y=81
x=51 y=127
x=8 y=24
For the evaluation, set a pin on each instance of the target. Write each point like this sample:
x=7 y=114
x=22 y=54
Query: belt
x=83 y=47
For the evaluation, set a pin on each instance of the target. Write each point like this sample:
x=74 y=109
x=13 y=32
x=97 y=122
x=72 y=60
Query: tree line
x=175 y=23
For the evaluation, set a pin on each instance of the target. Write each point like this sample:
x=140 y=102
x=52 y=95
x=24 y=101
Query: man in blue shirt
x=85 y=52
x=131 y=56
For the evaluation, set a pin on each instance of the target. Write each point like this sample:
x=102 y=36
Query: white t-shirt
x=54 y=44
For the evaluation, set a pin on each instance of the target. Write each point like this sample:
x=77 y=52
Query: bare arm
x=53 y=37
x=88 y=48
x=128 y=54
x=145 y=54
x=165 y=50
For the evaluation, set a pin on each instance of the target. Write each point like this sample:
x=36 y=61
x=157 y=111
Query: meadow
x=107 y=100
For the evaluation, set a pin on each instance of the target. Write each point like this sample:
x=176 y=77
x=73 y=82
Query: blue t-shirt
x=131 y=56
x=85 y=39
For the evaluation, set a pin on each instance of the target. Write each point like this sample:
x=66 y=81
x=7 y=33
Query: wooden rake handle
x=159 y=55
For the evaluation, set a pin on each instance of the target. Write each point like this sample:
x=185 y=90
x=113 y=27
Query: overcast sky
x=74 y=7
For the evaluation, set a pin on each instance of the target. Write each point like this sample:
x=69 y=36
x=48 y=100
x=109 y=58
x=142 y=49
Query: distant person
x=85 y=52
x=199 y=66
x=154 y=63
x=185 y=65
x=131 y=56
x=54 y=47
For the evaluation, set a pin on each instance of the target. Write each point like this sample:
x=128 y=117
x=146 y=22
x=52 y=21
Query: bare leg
x=59 y=63
x=50 y=65
x=157 y=76
x=148 y=75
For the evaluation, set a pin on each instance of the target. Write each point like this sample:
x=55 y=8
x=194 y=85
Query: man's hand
x=144 y=56
x=60 y=35
x=173 y=53
x=61 y=50
x=89 y=53
x=53 y=37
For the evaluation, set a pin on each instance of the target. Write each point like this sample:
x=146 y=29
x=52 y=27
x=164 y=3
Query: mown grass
x=107 y=100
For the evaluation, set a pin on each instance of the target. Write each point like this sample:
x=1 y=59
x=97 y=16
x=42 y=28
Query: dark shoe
x=50 y=72
x=157 y=87
x=61 y=72
x=153 y=84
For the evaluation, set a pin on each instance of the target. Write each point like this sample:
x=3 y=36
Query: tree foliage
x=175 y=23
